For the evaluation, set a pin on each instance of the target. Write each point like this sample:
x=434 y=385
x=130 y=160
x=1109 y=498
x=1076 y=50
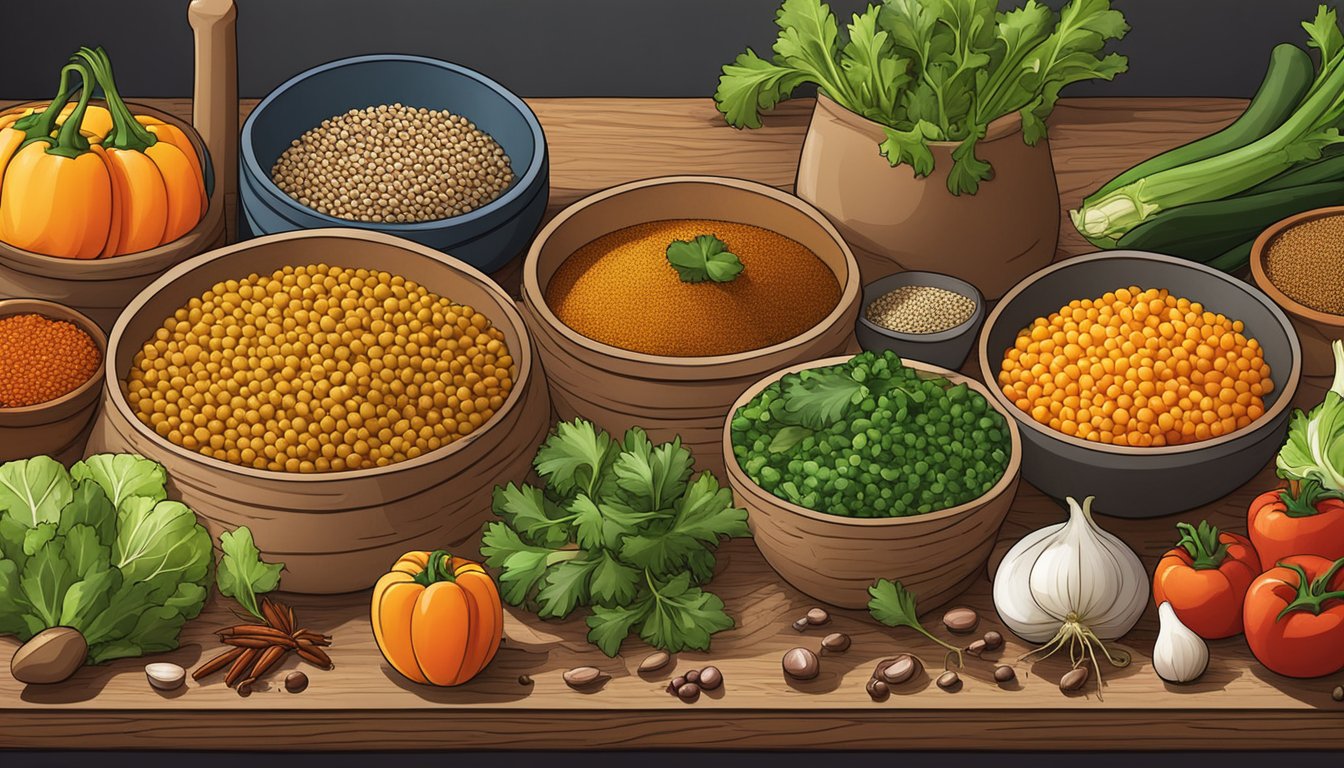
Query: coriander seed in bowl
x=924 y=316
x=920 y=309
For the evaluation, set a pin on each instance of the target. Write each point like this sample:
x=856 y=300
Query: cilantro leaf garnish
x=704 y=258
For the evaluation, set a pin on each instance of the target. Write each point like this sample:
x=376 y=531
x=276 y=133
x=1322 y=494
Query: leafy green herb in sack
x=242 y=574
x=930 y=70
x=620 y=528
x=704 y=258
x=99 y=549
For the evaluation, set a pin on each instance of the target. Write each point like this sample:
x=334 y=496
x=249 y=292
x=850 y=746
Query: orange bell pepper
x=438 y=619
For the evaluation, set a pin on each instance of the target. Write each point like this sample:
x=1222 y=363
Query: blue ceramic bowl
x=487 y=237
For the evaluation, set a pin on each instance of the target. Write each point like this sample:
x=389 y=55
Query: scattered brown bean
x=993 y=641
x=817 y=616
x=837 y=642
x=949 y=681
x=524 y=679
x=688 y=692
x=579 y=677
x=1338 y=693
x=961 y=620
x=878 y=690
x=978 y=647
x=710 y=678
x=801 y=664
x=1004 y=674
x=655 y=661
x=676 y=683
x=296 y=682
x=244 y=689
x=800 y=624
x=693 y=676
x=1073 y=680
x=900 y=670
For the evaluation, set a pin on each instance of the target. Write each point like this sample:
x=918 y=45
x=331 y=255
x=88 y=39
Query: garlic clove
x=1179 y=655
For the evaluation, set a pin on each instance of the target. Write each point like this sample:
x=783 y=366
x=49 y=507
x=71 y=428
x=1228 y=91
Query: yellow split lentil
x=320 y=369
x=43 y=359
x=1139 y=368
x=620 y=290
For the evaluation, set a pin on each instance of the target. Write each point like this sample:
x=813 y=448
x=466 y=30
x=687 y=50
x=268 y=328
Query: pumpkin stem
x=438 y=569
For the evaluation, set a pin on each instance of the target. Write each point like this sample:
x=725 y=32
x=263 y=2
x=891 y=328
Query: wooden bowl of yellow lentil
x=1299 y=263
x=50 y=360
x=668 y=356
x=1243 y=354
x=241 y=455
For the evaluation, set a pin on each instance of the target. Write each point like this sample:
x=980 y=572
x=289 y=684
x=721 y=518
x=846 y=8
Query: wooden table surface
x=362 y=704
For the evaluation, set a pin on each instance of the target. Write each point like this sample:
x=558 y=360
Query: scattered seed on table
x=801 y=664
x=579 y=677
x=655 y=661
x=898 y=670
x=920 y=309
x=993 y=641
x=817 y=616
x=710 y=678
x=688 y=692
x=1073 y=680
x=1004 y=674
x=1306 y=262
x=836 y=642
x=977 y=647
x=245 y=690
x=1338 y=693
x=395 y=164
x=296 y=682
x=675 y=684
x=800 y=624
x=961 y=620
x=524 y=679
x=949 y=681
x=693 y=676
x=878 y=689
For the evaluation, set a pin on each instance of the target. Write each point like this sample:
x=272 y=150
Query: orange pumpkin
x=437 y=618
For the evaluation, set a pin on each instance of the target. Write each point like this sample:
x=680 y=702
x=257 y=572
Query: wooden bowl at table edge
x=934 y=555
x=1315 y=329
x=50 y=427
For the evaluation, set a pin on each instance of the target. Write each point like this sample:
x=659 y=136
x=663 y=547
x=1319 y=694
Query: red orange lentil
x=42 y=359
x=1138 y=368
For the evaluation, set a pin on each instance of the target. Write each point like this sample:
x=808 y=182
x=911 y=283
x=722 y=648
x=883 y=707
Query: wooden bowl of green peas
x=857 y=468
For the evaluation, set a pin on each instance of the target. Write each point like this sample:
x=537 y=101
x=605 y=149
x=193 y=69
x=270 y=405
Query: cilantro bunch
x=621 y=528
x=930 y=70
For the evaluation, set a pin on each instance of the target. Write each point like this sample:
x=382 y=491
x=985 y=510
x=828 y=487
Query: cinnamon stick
x=241 y=665
x=219 y=662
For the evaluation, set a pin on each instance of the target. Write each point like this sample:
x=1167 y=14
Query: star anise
x=258 y=648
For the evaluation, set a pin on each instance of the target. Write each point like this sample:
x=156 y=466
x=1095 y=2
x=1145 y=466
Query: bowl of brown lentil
x=1299 y=263
x=412 y=146
x=1126 y=364
x=347 y=395
x=626 y=342
x=50 y=357
x=924 y=316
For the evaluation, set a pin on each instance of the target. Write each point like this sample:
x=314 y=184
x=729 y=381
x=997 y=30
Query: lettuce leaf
x=1315 y=446
x=242 y=573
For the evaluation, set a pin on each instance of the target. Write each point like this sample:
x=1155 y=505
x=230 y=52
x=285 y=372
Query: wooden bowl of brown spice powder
x=1299 y=264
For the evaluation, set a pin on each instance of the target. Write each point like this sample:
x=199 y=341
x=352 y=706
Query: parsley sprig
x=620 y=528
x=704 y=258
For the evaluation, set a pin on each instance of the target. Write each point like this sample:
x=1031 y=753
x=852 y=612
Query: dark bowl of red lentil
x=50 y=360
x=925 y=316
x=1299 y=264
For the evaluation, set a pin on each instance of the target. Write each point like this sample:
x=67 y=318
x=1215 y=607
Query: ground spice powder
x=1306 y=262
x=620 y=290
x=43 y=359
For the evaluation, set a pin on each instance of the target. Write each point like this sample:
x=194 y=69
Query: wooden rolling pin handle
x=215 y=97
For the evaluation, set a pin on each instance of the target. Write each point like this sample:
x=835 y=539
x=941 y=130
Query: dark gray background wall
x=577 y=47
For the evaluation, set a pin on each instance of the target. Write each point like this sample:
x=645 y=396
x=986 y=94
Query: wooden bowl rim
x=850 y=289
x=1266 y=421
x=1260 y=252
x=211 y=221
x=764 y=497
x=63 y=313
x=523 y=356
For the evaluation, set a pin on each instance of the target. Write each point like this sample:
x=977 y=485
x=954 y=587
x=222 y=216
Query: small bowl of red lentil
x=50 y=360
x=1299 y=264
x=925 y=316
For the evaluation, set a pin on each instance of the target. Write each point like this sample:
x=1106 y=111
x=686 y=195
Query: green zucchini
x=1326 y=169
x=1287 y=79
x=1203 y=231
x=1234 y=259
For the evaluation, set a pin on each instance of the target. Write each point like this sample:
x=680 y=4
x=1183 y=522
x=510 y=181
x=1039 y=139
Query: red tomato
x=1312 y=523
x=1205 y=578
x=1294 y=617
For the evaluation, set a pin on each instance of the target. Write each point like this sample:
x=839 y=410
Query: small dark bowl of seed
x=406 y=145
x=925 y=316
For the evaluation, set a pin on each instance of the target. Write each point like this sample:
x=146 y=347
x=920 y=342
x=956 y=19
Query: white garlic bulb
x=1179 y=655
x=1070 y=573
